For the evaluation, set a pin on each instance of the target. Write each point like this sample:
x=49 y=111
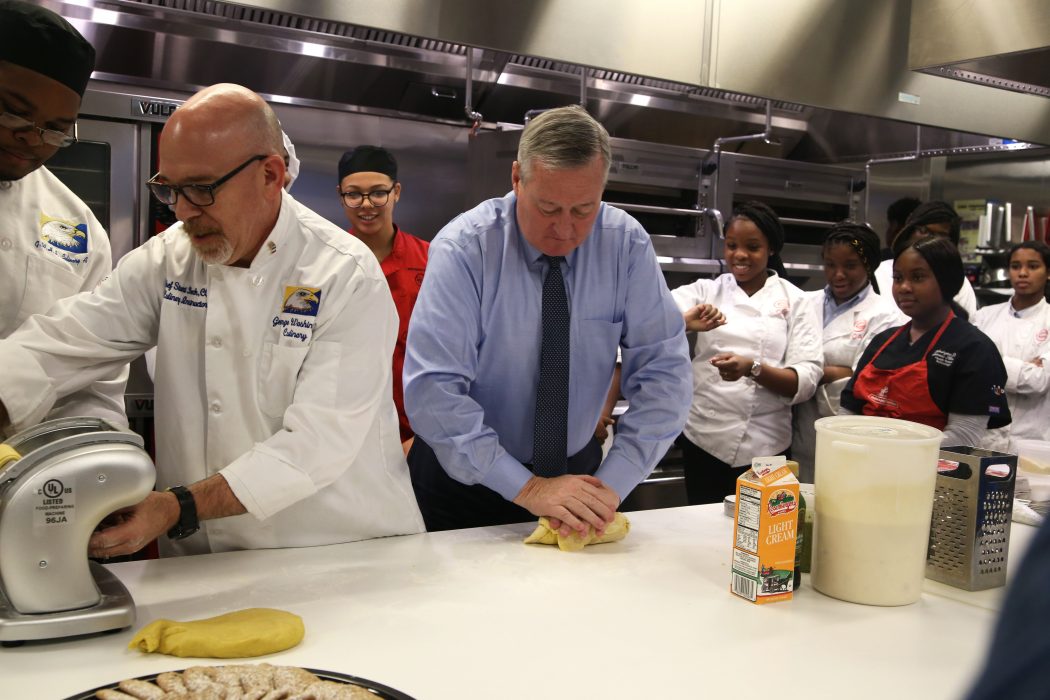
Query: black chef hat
x=368 y=159
x=36 y=38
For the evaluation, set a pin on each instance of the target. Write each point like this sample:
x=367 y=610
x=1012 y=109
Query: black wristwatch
x=188 y=522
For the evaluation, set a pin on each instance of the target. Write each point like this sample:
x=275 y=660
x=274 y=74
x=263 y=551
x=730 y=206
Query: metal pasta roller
x=58 y=480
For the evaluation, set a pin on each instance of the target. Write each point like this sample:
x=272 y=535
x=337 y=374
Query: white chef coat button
x=5 y=243
x=246 y=352
x=216 y=407
x=257 y=280
x=216 y=342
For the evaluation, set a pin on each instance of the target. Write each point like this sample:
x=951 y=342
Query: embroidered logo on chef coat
x=781 y=307
x=1042 y=335
x=301 y=300
x=859 y=326
x=943 y=357
x=64 y=239
x=298 y=310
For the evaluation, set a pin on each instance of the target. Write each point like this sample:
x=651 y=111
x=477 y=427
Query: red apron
x=903 y=392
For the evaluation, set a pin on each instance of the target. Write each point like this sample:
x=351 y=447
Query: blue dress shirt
x=833 y=309
x=472 y=361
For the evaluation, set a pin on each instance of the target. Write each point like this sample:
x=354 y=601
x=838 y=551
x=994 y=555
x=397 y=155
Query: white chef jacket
x=276 y=375
x=1022 y=337
x=845 y=338
x=52 y=246
x=966 y=298
x=736 y=421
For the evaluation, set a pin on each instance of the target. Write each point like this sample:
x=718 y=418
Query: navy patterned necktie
x=549 y=442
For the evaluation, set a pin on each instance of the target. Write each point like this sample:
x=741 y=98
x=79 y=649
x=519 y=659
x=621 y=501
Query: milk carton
x=764 y=530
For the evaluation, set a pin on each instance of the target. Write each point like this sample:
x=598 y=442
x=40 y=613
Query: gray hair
x=562 y=138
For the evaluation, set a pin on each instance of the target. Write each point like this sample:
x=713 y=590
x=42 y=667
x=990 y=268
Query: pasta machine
x=58 y=480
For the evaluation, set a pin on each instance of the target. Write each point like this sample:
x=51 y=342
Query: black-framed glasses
x=49 y=136
x=378 y=198
x=197 y=195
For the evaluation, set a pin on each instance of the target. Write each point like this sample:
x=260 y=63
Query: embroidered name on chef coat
x=64 y=239
x=943 y=357
x=182 y=294
x=298 y=311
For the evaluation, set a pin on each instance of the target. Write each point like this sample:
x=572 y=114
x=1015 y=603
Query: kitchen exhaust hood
x=291 y=57
x=999 y=44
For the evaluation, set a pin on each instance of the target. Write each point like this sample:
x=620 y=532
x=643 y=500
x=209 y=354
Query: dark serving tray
x=378 y=689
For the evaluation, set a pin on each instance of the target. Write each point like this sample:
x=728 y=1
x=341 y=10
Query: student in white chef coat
x=852 y=312
x=1020 y=328
x=51 y=245
x=929 y=219
x=274 y=332
x=757 y=353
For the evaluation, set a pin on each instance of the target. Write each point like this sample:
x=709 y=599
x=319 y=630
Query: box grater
x=970 y=528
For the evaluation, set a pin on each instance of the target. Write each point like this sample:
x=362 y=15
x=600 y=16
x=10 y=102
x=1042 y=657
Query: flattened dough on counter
x=543 y=534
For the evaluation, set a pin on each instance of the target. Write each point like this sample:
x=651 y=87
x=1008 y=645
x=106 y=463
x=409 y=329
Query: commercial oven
x=809 y=198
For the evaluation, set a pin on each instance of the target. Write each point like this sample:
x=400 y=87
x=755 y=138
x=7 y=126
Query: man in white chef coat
x=274 y=333
x=51 y=245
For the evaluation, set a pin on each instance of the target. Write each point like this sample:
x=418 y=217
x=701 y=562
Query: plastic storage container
x=875 y=481
x=1033 y=456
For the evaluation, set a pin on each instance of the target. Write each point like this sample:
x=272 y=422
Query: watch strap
x=188 y=522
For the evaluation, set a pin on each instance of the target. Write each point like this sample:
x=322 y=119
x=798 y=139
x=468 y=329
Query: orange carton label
x=764 y=531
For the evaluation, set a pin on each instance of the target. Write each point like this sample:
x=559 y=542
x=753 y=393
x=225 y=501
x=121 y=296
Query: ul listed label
x=55 y=506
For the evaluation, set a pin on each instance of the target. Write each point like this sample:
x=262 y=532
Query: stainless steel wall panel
x=949 y=31
x=853 y=56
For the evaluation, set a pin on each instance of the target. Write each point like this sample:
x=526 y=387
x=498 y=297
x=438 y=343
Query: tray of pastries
x=244 y=682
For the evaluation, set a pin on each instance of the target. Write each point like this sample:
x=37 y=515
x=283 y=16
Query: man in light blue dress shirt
x=473 y=356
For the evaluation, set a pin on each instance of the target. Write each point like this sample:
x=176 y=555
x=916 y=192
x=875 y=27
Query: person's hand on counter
x=571 y=501
x=703 y=318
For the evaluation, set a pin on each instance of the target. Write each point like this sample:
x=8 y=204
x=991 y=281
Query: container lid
x=877 y=428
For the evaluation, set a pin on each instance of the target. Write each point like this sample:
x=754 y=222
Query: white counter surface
x=477 y=614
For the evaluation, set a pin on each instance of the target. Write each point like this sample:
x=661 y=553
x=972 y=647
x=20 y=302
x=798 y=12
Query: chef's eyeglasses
x=197 y=195
x=49 y=136
x=378 y=198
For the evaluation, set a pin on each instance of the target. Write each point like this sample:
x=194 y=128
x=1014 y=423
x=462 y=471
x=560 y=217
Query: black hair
x=768 y=223
x=1043 y=249
x=929 y=213
x=945 y=263
x=864 y=242
x=899 y=211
